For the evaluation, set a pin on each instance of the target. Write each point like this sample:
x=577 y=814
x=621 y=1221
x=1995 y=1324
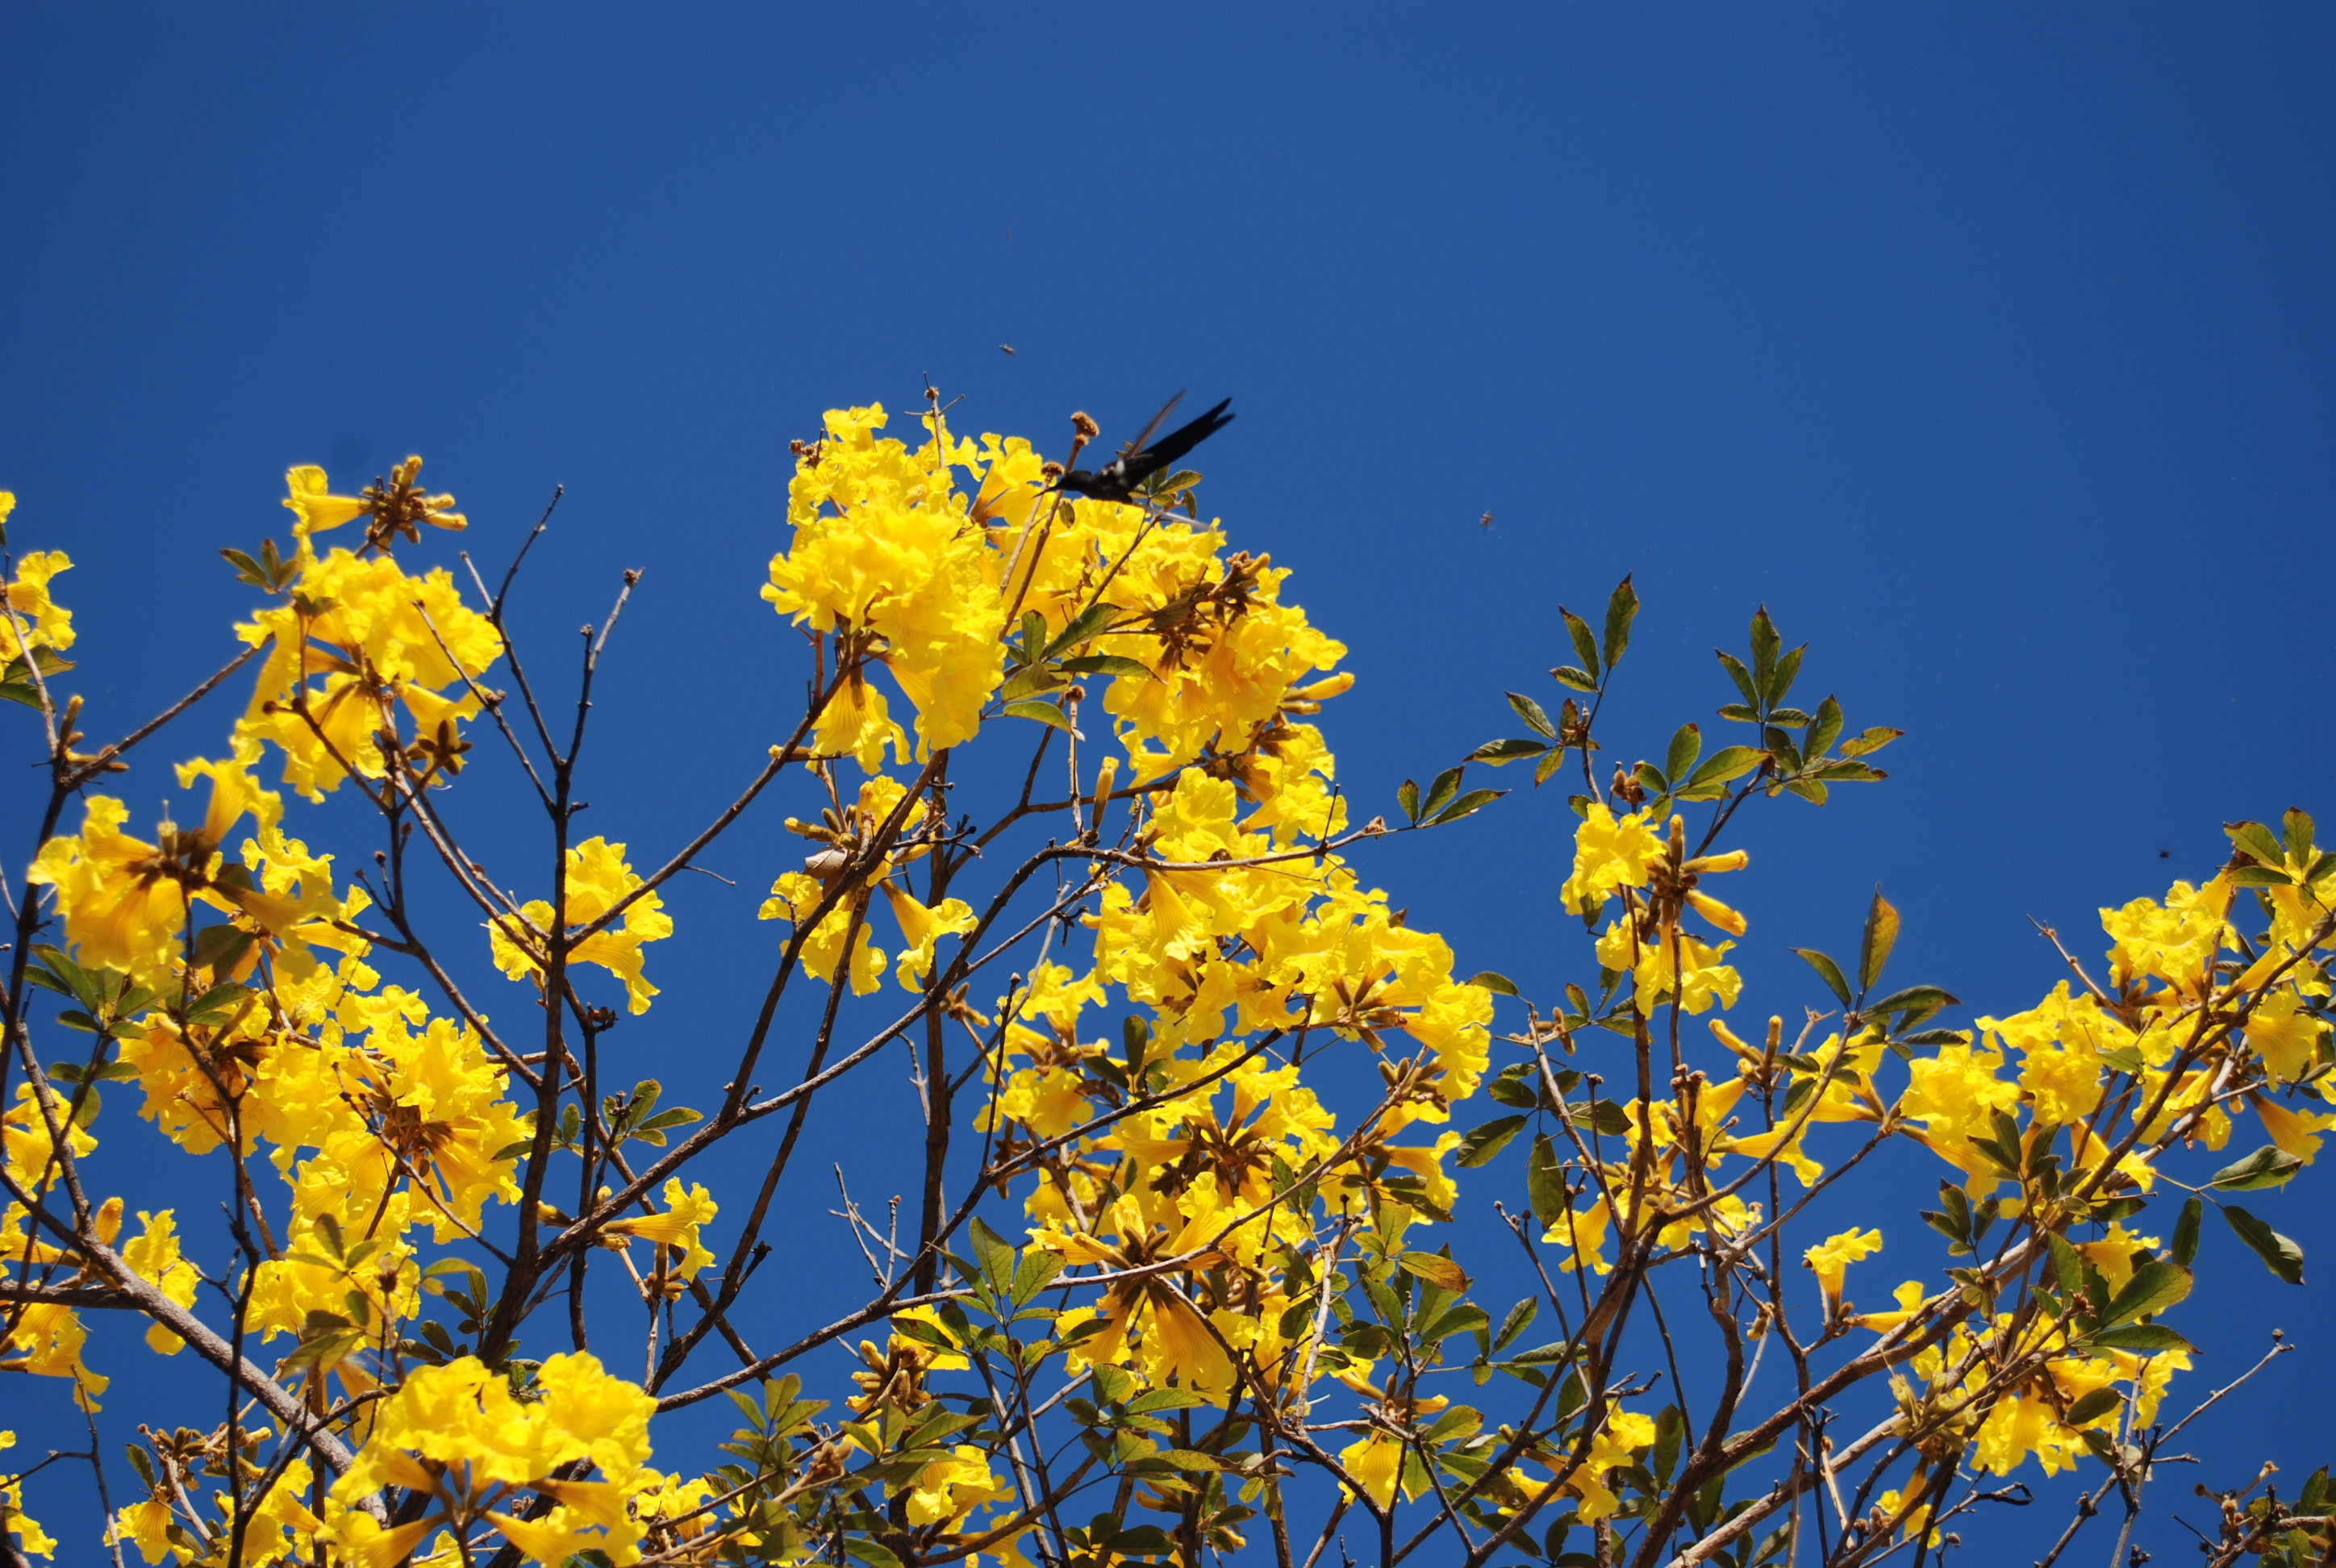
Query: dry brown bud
x=1087 y=427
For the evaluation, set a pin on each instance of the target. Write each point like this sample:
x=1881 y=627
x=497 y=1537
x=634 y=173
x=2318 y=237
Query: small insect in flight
x=1007 y=347
x=1485 y=521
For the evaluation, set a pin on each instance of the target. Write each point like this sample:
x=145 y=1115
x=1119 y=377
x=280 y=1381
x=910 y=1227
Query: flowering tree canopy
x=1175 y=1280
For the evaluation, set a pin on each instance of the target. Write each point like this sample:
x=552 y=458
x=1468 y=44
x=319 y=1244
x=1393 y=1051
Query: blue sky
x=1987 y=345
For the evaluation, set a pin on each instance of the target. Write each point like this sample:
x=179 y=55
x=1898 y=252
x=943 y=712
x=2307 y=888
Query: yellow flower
x=1584 y=1231
x=793 y=898
x=2283 y=1037
x=1649 y=962
x=922 y=929
x=458 y=1432
x=357 y=641
x=1609 y=852
x=395 y=508
x=1626 y=1436
x=686 y=1213
x=2175 y=941
x=313 y=505
x=126 y=901
x=2296 y=1132
x=947 y=1490
x=886 y=553
x=1832 y=1257
x=1911 y=1299
x=1376 y=1461
x=155 y=1257
x=36 y=621
x=597 y=879
x=30 y=1537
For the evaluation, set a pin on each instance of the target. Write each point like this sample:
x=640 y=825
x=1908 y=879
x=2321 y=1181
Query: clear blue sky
x=1988 y=345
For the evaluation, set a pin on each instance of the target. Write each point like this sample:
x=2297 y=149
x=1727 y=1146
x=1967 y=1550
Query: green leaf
x=2280 y=1254
x=1685 y=747
x=1547 y=1355
x=1111 y=664
x=1579 y=680
x=1792 y=717
x=1670 y=1426
x=1532 y=712
x=1514 y=1086
x=2154 y=1286
x=2185 y=1249
x=1034 y=1271
x=1478 y=1147
x=2269 y=1166
x=1164 y=1399
x=1498 y=984
x=2092 y=1407
x=1084 y=625
x=1545 y=1182
x=654 y=1128
x=1881 y=936
x=1440 y=793
x=1764 y=646
x=865 y=1549
x=246 y=568
x=2148 y=1339
x=2257 y=840
x=1030 y=679
x=1406 y=796
x=1622 y=609
x=2068 y=1265
x=1555 y=758
x=1871 y=740
x=1045 y=713
x=1585 y=646
x=1731 y=761
x=1468 y=804
x=1823 y=729
x=1608 y=1118
x=1788 y=667
x=2295 y=826
x=1741 y=677
x=1519 y=1320
x=1439 y=1272
x=995 y=1256
x=1914 y=998
x=1500 y=752
x=1827 y=971
x=217 y=1003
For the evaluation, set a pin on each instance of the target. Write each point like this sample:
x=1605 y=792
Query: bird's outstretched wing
x=1167 y=408
x=1177 y=442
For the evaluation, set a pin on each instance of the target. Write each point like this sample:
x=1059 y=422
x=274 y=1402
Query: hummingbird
x=1138 y=461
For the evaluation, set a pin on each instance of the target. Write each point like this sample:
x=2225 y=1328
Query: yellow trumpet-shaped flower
x=458 y=1433
x=30 y=1537
x=35 y=620
x=359 y=649
x=686 y=1213
x=597 y=880
x=394 y=508
x=1609 y=852
x=1832 y=1257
